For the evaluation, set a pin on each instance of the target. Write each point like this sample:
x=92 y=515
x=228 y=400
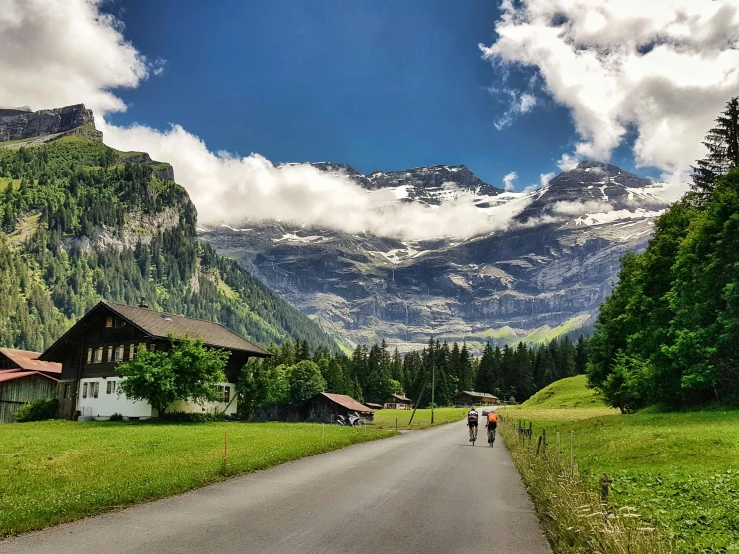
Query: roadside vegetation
x=675 y=471
x=385 y=419
x=57 y=471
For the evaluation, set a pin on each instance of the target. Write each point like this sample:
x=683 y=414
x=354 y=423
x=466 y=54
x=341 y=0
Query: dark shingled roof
x=161 y=324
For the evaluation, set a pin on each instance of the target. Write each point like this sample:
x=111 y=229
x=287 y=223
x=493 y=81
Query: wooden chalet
x=112 y=333
x=325 y=406
x=398 y=402
x=472 y=398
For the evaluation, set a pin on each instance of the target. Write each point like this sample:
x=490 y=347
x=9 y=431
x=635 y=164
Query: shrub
x=193 y=417
x=38 y=410
x=115 y=417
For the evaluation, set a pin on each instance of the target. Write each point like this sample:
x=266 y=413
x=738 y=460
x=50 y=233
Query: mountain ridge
x=550 y=268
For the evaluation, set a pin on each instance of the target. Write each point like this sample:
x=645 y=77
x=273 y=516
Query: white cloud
x=518 y=103
x=662 y=67
x=544 y=178
x=508 y=181
x=580 y=208
x=59 y=53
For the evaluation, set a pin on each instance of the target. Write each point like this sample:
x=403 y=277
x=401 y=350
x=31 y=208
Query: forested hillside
x=669 y=332
x=80 y=224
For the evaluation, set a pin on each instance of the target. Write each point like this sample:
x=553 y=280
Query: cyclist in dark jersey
x=472 y=423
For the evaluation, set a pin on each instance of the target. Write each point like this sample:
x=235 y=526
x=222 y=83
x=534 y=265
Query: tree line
x=371 y=374
x=669 y=331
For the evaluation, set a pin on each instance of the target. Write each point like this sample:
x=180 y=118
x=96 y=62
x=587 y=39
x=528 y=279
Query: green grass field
x=385 y=419
x=57 y=471
x=679 y=470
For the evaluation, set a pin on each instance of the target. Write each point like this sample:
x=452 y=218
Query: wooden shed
x=20 y=387
x=325 y=406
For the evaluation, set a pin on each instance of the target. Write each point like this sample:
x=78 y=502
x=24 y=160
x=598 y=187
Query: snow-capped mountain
x=550 y=268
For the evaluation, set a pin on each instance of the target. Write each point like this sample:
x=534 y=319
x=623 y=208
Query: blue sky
x=378 y=85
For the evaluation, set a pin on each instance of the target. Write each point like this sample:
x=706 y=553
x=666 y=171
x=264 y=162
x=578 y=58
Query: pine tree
x=722 y=143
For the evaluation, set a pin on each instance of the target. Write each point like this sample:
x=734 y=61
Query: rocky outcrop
x=18 y=124
x=552 y=266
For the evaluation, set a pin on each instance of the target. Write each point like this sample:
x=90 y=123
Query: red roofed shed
x=325 y=406
x=20 y=387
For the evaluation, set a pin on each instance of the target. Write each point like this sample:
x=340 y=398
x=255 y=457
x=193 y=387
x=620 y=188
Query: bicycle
x=491 y=437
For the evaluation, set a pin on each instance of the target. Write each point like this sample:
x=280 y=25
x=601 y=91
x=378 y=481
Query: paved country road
x=425 y=491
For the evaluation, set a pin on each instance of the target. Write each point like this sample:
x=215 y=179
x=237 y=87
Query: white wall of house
x=107 y=404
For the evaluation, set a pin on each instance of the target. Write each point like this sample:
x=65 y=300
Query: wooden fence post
x=225 y=451
x=544 y=441
x=605 y=481
x=531 y=432
x=558 y=446
x=572 y=453
x=538 y=446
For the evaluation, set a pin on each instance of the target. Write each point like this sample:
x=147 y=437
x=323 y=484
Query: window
x=118 y=354
x=67 y=391
x=131 y=351
x=110 y=354
x=94 y=389
x=84 y=390
x=89 y=355
x=111 y=387
x=226 y=394
x=98 y=357
x=109 y=321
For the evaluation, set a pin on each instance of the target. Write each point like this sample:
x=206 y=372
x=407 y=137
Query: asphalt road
x=426 y=491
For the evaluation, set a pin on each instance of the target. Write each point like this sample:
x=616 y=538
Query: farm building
x=398 y=402
x=23 y=360
x=325 y=406
x=19 y=387
x=374 y=406
x=112 y=333
x=472 y=398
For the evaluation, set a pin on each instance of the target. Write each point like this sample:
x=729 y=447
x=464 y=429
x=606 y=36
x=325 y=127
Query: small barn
x=325 y=406
x=20 y=387
x=398 y=402
x=472 y=398
x=374 y=406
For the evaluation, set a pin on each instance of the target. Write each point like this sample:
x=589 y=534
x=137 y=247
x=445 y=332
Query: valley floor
x=57 y=471
x=678 y=470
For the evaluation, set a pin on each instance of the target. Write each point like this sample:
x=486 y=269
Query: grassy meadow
x=385 y=419
x=677 y=470
x=57 y=471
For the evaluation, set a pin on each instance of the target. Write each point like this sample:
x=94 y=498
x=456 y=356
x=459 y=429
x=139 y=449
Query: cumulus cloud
x=59 y=53
x=518 y=103
x=662 y=68
x=234 y=189
x=508 y=181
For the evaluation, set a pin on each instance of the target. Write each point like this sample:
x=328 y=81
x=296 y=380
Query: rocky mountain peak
x=21 y=123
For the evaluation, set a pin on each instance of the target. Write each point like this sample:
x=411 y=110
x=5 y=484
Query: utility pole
x=433 y=381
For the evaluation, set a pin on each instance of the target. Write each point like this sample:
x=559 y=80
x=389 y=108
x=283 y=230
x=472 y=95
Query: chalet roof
x=373 y=405
x=477 y=394
x=400 y=397
x=347 y=402
x=29 y=361
x=162 y=325
x=10 y=375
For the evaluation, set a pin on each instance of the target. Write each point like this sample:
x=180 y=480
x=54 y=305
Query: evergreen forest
x=371 y=374
x=669 y=332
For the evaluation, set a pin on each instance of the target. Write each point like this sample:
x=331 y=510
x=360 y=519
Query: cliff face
x=17 y=124
x=552 y=267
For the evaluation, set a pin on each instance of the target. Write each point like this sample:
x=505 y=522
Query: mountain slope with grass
x=571 y=392
x=81 y=222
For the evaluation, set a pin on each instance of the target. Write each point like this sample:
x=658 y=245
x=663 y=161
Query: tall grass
x=570 y=509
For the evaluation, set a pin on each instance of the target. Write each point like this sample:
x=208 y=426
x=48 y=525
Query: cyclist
x=492 y=424
x=472 y=423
